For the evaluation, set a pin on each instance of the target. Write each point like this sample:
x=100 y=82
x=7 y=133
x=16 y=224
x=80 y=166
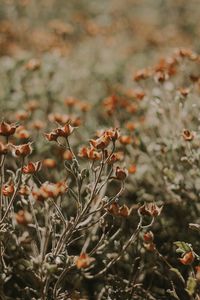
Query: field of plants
x=99 y=150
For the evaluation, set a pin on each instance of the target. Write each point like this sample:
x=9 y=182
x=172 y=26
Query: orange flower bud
x=83 y=261
x=132 y=169
x=188 y=258
x=67 y=155
x=125 y=140
x=49 y=163
x=7 y=129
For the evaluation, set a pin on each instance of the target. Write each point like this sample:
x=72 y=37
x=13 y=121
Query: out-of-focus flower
x=67 y=155
x=83 y=261
x=71 y=101
x=49 y=163
x=22 y=133
x=49 y=190
x=121 y=173
x=188 y=135
x=7 y=129
x=23 y=217
x=33 y=64
x=32 y=105
x=132 y=169
x=8 y=189
x=37 y=124
x=142 y=74
x=125 y=139
x=184 y=91
x=22 y=115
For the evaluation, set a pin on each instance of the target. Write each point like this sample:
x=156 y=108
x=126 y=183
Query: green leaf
x=182 y=247
x=191 y=285
x=177 y=272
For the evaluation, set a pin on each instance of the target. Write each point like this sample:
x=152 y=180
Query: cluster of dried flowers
x=79 y=209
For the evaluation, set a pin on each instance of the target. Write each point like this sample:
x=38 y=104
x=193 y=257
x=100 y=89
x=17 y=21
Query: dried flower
x=121 y=173
x=7 y=129
x=100 y=143
x=22 y=150
x=150 y=209
x=64 y=131
x=32 y=167
x=188 y=258
x=22 y=133
x=49 y=190
x=67 y=155
x=52 y=136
